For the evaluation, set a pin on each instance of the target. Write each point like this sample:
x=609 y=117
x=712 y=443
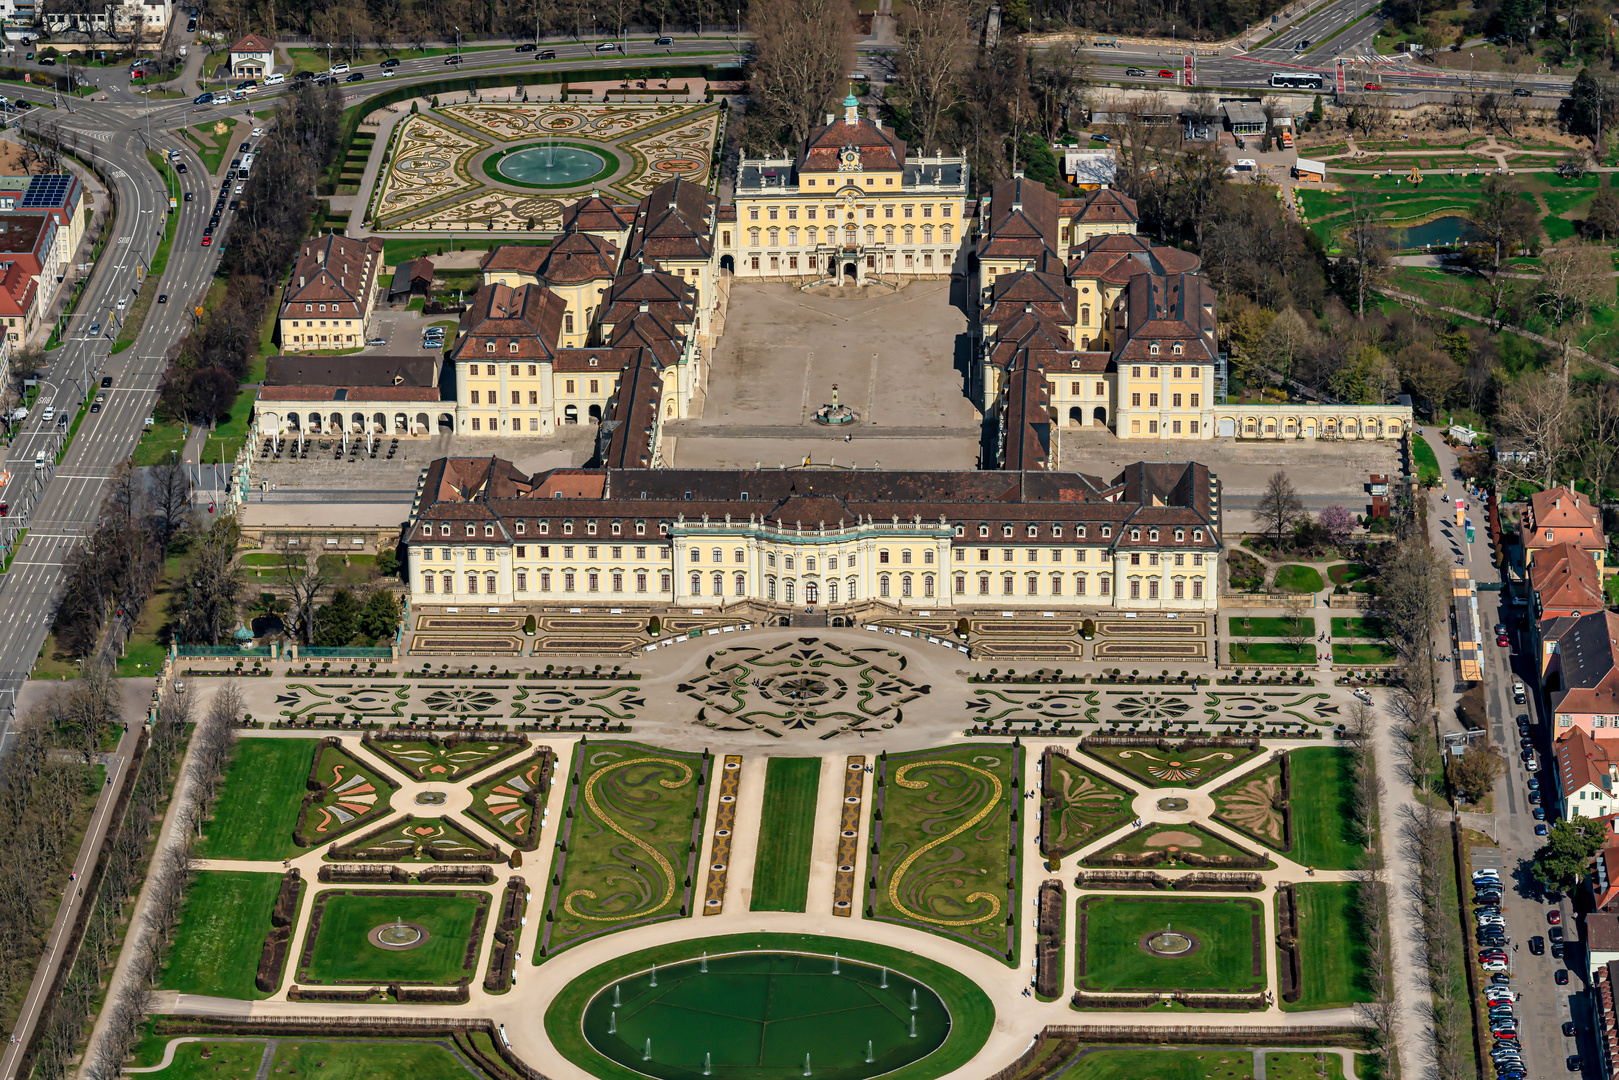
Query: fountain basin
x=551 y=165
x=755 y=1015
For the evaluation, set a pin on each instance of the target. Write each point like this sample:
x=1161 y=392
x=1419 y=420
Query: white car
x=123 y=301
x=387 y=73
x=49 y=413
x=258 y=133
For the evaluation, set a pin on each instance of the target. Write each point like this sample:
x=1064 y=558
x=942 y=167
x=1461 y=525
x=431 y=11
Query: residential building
x=149 y=17
x=483 y=533
x=1587 y=774
x=30 y=242
x=1605 y=1017
x=1565 y=582
x=331 y=293
x=853 y=204
x=1581 y=676
x=252 y=57
x=1561 y=516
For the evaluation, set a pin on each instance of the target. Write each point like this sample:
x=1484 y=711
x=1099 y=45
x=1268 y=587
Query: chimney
x=829 y=119
x=300 y=281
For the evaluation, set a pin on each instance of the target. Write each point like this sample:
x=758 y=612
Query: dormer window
x=1153 y=535
x=1056 y=530
x=545 y=527
x=567 y=528
x=592 y=361
x=489 y=346
x=511 y=347
x=1034 y=530
x=489 y=530
x=1079 y=531
x=472 y=530
x=1135 y=534
x=1074 y=363
x=1180 y=534
x=960 y=531
x=663 y=528
x=983 y=532
x=1006 y=531
x=519 y=528
x=1197 y=534
x=1153 y=348
x=590 y=528
x=1177 y=350
x=617 y=528
x=444 y=530
x=640 y=528
x=1107 y=531
x=308 y=308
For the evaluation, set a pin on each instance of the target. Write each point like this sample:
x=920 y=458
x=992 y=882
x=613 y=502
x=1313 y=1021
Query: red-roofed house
x=331 y=293
x=1565 y=581
x=252 y=57
x=1587 y=774
x=1560 y=516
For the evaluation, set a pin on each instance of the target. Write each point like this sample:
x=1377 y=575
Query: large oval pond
x=766 y=1016
x=550 y=166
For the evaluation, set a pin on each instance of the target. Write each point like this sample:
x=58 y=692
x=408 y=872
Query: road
x=1543 y=1006
x=117 y=763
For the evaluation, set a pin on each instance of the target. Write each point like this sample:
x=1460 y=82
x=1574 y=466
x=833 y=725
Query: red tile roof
x=529 y=315
x=1565 y=581
x=579 y=257
x=515 y=258
x=878 y=148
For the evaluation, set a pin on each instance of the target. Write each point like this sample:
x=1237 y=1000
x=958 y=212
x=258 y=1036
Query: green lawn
x=1332 y=950
x=1272 y=653
x=158 y=442
x=787 y=829
x=1114 y=959
x=1260 y=626
x=1214 y=1063
x=1427 y=461
x=258 y=807
x=1362 y=655
x=1302 y=1066
x=216 y=948
x=344 y=954
x=228 y=435
x=1370 y=627
x=1296 y=578
x=210 y=145
x=1344 y=573
x=225 y=1060
x=1191 y=838
x=1322 y=788
x=369 y=1059
x=397 y=251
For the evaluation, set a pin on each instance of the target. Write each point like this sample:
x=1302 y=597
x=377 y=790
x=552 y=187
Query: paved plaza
x=899 y=359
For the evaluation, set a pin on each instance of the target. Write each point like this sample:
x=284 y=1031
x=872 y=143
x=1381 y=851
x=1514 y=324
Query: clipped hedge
x=361 y=874
x=503 y=954
x=456 y=875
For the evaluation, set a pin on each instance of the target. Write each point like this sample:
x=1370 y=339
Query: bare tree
x=301 y=584
x=803 y=53
x=1537 y=410
x=1600 y=413
x=1572 y=279
x=1367 y=258
x=1279 y=509
x=932 y=52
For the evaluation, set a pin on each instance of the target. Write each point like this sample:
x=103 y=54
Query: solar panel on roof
x=46 y=191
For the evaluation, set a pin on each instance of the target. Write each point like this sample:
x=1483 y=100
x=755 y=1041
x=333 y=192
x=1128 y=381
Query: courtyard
x=898 y=359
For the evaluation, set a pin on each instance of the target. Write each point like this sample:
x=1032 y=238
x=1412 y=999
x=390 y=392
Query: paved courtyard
x=898 y=359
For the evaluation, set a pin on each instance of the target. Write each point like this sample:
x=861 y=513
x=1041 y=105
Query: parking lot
x=401 y=329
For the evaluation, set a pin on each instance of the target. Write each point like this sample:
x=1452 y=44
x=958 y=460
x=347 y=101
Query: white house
x=253 y=57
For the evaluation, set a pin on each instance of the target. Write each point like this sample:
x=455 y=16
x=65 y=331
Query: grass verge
x=258 y=806
x=781 y=875
x=1333 y=951
x=221 y=933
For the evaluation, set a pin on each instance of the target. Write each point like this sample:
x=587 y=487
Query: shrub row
x=302 y=993
x=361 y=874
x=1114 y=1001
x=1048 y=978
x=285 y=912
x=1194 y=742
x=475 y=939
x=456 y=875
x=454 y=995
x=1120 y=879
x=277 y=942
x=1210 y=1001
x=1220 y=881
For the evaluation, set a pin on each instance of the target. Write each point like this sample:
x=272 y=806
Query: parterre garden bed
x=1078 y=805
x=1170 y=764
x=943 y=823
x=337 y=949
x=1228 y=957
x=1332 y=950
x=630 y=836
x=786 y=834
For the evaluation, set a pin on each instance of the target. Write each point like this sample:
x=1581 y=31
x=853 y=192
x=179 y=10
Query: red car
x=1165 y=73
x=1554 y=918
x=208 y=241
x=1501 y=640
x=1374 y=86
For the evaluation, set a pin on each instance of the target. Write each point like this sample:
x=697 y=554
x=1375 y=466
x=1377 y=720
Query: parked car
x=1560 y=976
x=1537 y=945
x=1573 y=1061
x=1501 y=640
x=1538 y=813
x=1570 y=1029
x=1554 y=933
x=1558 y=949
x=1518 y=694
x=1554 y=917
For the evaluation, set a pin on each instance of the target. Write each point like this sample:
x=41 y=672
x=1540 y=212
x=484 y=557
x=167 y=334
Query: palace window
x=1008 y=585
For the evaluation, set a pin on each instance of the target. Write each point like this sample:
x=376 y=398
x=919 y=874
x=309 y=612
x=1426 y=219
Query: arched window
x=905 y=585
x=792 y=234
x=831 y=592
x=882 y=584
x=1152 y=588
x=449 y=583
x=871 y=234
x=718 y=582
x=1056 y=584
x=770 y=588
x=888 y=234
x=927 y=234
x=945 y=231
x=472 y=583
x=753 y=237
x=1180 y=589
x=910 y=234
x=927 y=585
x=697 y=584
x=775 y=237
x=852 y=592
x=983 y=584
x=787 y=590
x=1008 y=585
x=1032 y=582
x=741 y=584
x=1135 y=588
x=1197 y=588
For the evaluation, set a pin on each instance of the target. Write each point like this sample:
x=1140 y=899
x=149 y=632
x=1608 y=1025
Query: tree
x=1336 y=522
x=1286 y=339
x=1414 y=598
x=1279 y=507
x=1537 y=410
x=932 y=52
x=379 y=618
x=1594 y=104
x=1296 y=608
x=1572 y=279
x=1473 y=775
x=1367 y=257
x=170 y=488
x=1566 y=856
x=339 y=621
x=1503 y=217
x=1602 y=218
x=803 y=50
x=301 y=583
x=204 y=609
x=1599 y=415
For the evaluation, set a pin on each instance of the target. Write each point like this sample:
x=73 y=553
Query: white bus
x=247 y=163
x=1296 y=80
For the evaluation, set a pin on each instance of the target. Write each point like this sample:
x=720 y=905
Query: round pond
x=556 y=165
x=756 y=1015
